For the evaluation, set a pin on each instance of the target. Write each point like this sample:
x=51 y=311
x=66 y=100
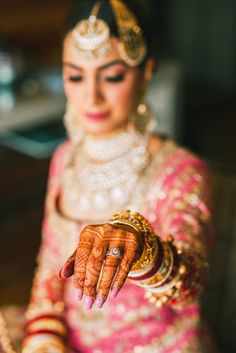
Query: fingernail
x=88 y=303
x=115 y=291
x=79 y=294
x=99 y=302
x=60 y=277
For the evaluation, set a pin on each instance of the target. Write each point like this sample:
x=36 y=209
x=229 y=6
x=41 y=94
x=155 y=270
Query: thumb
x=67 y=269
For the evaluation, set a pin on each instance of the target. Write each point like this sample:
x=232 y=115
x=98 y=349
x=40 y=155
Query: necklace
x=103 y=174
x=99 y=149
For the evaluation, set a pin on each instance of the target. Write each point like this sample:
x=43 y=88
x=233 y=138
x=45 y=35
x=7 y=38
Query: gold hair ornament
x=132 y=46
x=92 y=36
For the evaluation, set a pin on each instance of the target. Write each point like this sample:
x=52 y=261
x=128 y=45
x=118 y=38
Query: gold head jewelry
x=132 y=46
x=92 y=36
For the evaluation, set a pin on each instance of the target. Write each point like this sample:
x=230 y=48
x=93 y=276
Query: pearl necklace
x=109 y=148
x=104 y=173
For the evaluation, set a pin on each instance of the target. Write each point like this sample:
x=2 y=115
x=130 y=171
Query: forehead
x=73 y=56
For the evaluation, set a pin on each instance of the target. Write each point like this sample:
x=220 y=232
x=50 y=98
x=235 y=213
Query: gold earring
x=75 y=131
x=144 y=119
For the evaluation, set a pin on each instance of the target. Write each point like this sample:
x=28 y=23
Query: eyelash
x=75 y=78
x=110 y=79
x=115 y=79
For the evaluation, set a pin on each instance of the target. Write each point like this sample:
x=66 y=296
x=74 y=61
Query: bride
x=127 y=218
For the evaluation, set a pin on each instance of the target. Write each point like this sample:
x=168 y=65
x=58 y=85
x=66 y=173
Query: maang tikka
x=92 y=36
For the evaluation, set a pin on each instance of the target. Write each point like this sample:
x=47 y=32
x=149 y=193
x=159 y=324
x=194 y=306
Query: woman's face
x=102 y=92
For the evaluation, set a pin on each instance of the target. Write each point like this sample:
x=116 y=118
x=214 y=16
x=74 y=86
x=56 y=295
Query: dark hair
x=82 y=9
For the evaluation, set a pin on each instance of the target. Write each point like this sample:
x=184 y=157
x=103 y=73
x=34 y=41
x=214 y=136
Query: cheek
x=123 y=96
x=71 y=92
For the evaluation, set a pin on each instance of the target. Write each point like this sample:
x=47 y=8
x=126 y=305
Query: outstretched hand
x=102 y=261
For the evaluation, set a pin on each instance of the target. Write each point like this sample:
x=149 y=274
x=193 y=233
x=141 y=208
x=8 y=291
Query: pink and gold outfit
x=173 y=194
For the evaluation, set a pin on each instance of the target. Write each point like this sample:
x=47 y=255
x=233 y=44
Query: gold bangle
x=47 y=324
x=147 y=259
x=40 y=342
x=147 y=235
x=44 y=307
x=134 y=219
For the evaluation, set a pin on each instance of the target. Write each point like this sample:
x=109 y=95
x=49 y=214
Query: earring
x=75 y=131
x=144 y=119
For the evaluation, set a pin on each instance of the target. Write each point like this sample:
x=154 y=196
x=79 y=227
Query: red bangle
x=174 y=272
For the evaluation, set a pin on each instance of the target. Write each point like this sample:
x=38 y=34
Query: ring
x=114 y=252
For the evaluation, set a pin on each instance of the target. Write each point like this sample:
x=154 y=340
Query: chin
x=99 y=129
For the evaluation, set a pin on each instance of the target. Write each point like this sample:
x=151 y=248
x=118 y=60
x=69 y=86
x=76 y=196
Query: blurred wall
x=203 y=37
x=35 y=27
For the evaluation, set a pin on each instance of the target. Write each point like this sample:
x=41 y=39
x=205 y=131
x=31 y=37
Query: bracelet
x=153 y=268
x=43 y=342
x=46 y=307
x=47 y=324
x=148 y=238
x=164 y=270
x=162 y=294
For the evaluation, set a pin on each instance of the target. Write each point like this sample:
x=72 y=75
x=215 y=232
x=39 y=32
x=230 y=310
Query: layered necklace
x=103 y=173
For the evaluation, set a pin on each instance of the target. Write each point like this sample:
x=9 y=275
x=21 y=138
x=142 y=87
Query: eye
x=115 y=79
x=77 y=78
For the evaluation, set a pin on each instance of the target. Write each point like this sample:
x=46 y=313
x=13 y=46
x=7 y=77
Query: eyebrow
x=100 y=68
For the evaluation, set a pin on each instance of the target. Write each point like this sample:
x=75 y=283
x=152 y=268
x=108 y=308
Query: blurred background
x=193 y=96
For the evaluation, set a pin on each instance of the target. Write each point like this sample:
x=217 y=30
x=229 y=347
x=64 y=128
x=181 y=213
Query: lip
x=98 y=116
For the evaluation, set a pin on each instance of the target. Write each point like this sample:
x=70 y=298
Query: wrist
x=148 y=240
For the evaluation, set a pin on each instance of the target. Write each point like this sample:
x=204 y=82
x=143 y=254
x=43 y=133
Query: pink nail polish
x=79 y=294
x=88 y=303
x=99 y=302
x=115 y=291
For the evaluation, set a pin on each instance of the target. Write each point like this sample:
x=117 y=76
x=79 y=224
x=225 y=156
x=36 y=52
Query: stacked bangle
x=45 y=331
x=47 y=324
x=162 y=270
x=147 y=237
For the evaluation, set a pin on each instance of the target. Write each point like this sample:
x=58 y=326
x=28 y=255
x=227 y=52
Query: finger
x=110 y=267
x=82 y=254
x=124 y=268
x=67 y=269
x=94 y=267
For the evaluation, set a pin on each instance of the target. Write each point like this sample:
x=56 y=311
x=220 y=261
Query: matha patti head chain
x=92 y=36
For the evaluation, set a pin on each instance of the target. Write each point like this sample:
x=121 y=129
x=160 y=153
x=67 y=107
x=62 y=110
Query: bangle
x=162 y=294
x=46 y=307
x=47 y=324
x=153 y=268
x=147 y=238
x=43 y=342
x=164 y=270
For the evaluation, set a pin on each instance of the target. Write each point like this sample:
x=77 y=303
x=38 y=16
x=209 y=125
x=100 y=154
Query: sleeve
x=184 y=222
x=45 y=313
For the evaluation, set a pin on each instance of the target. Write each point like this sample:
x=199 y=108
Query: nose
x=93 y=92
